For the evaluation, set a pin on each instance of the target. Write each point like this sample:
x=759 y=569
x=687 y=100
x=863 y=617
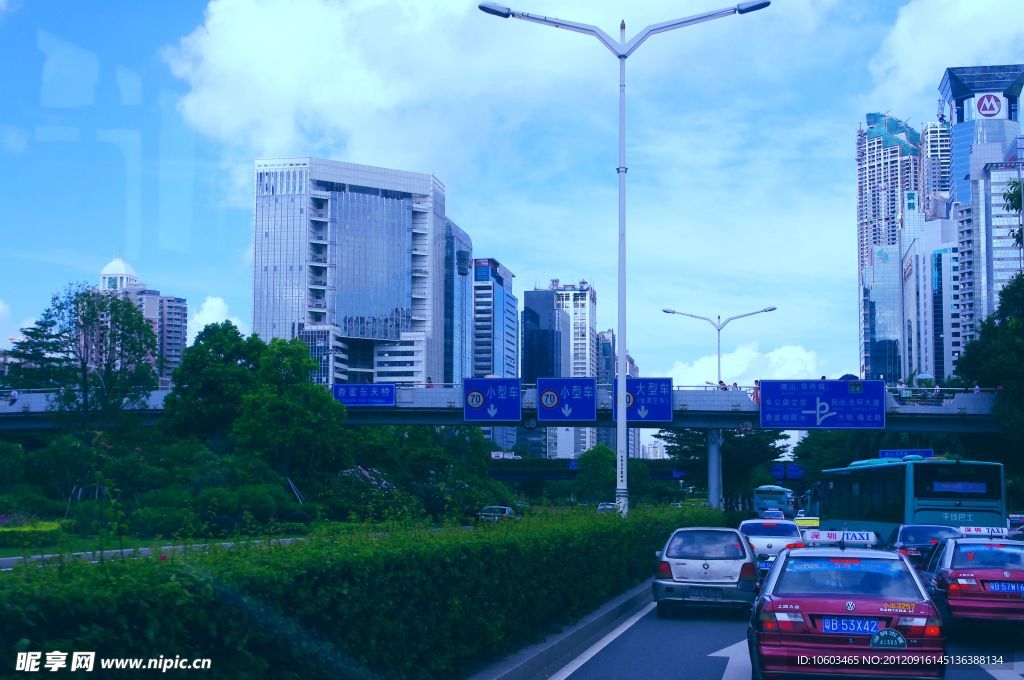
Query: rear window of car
x=927 y=534
x=989 y=555
x=495 y=510
x=770 y=529
x=705 y=545
x=866 y=577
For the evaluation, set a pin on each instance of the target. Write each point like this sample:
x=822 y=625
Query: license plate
x=764 y=566
x=1006 y=586
x=847 y=625
x=706 y=593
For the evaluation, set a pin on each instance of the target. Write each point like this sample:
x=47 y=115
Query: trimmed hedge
x=30 y=535
x=402 y=604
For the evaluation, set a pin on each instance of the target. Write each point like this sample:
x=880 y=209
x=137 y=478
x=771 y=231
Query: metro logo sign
x=989 y=105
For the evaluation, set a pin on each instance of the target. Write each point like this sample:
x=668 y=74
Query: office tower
x=495 y=332
x=607 y=370
x=984 y=111
x=932 y=340
x=580 y=302
x=888 y=163
x=166 y=315
x=935 y=167
x=547 y=353
x=351 y=259
x=458 y=304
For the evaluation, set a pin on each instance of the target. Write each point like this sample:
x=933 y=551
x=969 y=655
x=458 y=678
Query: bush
x=339 y=604
x=30 y=535
x=28 y=499
x=164 y=522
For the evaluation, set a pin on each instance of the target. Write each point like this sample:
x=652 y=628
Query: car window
x=868 y=577
x=989 y=555
x=707 y=545
x=920 y=535
x=770 y=529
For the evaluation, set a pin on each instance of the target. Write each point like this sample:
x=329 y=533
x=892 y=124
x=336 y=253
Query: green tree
x=995 y=358
x=595 y=475
x=1012 y=203
x=95 y=349
x=288 y=420
x=216 y=373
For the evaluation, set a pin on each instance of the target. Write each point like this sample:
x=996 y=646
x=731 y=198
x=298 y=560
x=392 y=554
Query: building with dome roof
x=166 y=315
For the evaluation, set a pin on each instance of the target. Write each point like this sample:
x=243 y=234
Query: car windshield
x=494 y=509
x=706 y=545
x=989 y=555
x=921 y=535
x=866 y=577
x=786 y=529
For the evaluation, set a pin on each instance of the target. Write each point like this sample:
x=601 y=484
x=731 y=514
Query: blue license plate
x=847 y=625
x=1006 y=586
x=764 y=566
x=705 y=593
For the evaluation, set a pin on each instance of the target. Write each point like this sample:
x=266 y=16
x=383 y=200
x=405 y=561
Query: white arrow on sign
x=492 y=410
x=642 y=411
x=566 y=410
x=738 y=667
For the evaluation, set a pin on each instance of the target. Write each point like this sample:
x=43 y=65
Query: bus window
x=957 y=480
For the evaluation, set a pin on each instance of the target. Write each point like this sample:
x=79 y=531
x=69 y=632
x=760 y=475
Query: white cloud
x=746 y=363
x=932 y=35
x=213 y=310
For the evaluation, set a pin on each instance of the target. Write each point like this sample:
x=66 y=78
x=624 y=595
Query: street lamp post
x=622 y=50
x=715 y=436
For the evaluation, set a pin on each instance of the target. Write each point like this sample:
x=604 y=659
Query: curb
x=555 y=651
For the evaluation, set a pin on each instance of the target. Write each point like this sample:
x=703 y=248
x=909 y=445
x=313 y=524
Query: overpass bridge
x=692 y=407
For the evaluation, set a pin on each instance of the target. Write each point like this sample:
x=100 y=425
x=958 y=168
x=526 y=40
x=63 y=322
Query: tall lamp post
x=715 y=435
x=622 y=50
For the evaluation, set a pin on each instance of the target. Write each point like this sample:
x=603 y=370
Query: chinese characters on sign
x=647 y=400
x=566 y=399
x=822 y=404
x=491 y=400
x=372 y=394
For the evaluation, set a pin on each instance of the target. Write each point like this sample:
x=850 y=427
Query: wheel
x=665 y=610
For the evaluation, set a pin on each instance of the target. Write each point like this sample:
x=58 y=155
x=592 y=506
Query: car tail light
x=748 y=572
x=933 y=628
x=664 y=570
x=912 y=626
x=790 y=622
x=790 y=546
x=766 y=621
x=961 y=584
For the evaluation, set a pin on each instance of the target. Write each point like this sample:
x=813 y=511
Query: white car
x=769 y=537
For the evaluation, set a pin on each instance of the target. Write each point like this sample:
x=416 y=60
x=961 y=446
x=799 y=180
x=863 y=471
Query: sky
x=130 y=129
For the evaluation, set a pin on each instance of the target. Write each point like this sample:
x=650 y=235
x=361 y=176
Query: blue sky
x=130 y=128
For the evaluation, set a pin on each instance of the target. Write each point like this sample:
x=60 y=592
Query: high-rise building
x=888 y=164
x=935 y=167
x=458 y=304
x=495 y=332
x=166 y=315
x=351 y=259
x=546 y=338
x=984 y=111
x=580 y=302
x=607 y=370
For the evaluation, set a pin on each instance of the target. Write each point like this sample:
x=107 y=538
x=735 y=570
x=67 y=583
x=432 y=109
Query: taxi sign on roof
x=971 y=532
x=807 y=522
x=819 y=537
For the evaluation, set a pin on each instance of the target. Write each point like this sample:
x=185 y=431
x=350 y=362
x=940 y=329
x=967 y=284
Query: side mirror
x=657 y=554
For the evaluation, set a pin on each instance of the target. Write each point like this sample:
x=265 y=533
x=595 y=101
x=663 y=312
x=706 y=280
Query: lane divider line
x=592 y=651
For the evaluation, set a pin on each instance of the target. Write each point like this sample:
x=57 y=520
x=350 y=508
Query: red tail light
x=961 y=584
x=903 y=551
x=766 y=622
x=934 y=628
x=781 y=622
x=664 y=570
x=790 y=546
x=748 y=572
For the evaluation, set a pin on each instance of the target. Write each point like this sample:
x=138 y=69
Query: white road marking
x=738 y=667
x=586 y=656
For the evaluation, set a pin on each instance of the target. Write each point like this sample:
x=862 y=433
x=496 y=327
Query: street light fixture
x=622 y=50
x=715 y=436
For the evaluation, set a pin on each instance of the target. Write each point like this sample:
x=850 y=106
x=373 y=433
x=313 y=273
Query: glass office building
x=458 y=304
x=546 y=353
x=495 y=332
x=350 y=258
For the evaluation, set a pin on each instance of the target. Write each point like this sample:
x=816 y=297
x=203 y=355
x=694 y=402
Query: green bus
x=882 y=493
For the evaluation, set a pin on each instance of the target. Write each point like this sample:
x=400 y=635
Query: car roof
x=992 y=539
x=941 y=526
x=706 y=529
x=784 y=522
x=828 y=551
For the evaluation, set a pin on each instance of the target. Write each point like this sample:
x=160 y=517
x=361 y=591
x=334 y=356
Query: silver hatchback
x=705 y=565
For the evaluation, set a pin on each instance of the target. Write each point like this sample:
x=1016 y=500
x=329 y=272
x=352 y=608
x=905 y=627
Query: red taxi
x=977 y=578
x=839 y=610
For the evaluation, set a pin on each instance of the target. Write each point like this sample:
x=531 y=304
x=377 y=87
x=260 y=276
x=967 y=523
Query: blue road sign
x=491 y=400
x=678 y=473
x=823 y=404
x=648 y=400
x=899 y=453
x=779 y=470
x=794 y=471
x=566 y=399
x=371 y=394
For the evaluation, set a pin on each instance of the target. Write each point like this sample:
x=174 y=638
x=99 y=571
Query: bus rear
x=956 y=494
